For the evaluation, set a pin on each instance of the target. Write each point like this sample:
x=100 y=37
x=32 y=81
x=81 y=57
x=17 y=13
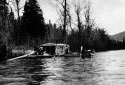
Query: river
x=103 y=68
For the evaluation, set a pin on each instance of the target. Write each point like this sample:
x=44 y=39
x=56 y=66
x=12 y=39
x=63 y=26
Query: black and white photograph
x=62 y=42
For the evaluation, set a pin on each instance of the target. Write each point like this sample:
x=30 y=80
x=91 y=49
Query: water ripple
x=104 y=68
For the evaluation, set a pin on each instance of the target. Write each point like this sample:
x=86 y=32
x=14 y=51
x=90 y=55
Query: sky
x=108 y=14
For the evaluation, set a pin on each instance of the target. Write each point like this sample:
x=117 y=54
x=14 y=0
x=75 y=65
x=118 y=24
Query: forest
x=31 y=30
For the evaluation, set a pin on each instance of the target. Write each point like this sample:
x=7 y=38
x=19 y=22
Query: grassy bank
x=19 y=51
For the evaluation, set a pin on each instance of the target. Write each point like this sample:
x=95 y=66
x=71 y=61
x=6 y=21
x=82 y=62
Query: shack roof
x=48 y=44
x=54 y=44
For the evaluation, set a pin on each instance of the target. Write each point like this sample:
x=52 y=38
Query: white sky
x=108 y=14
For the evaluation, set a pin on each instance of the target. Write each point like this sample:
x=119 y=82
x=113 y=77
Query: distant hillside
x=118 y=36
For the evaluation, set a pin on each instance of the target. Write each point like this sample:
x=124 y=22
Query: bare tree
x=63 y=10
x=78 y=10
x=84 y=21
x=89 y=23
x=87 y=14
x=83 y=13
x=18 y=5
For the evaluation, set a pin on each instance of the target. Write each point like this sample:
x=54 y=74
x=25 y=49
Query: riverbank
x=25 y=55
x=18 y=51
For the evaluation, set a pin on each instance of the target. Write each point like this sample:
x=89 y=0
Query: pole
x=64 y=26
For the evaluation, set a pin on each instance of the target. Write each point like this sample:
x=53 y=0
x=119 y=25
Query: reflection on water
x=104 y=68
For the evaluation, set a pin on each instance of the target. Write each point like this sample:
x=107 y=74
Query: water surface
x=104 y=68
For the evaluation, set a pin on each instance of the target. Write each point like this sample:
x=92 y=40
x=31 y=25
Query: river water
x=103 y=68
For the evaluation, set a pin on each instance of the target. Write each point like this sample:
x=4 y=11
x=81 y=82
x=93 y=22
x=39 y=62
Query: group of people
x=39 y=51
x=85 y=52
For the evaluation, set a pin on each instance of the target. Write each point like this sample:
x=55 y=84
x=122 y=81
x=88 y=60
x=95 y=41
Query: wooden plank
x=21 y=56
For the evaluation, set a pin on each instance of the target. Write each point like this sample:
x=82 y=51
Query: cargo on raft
x=52 y=49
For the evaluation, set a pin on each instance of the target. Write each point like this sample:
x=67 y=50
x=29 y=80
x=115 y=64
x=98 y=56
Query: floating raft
x=65 y=55
x=32 y=55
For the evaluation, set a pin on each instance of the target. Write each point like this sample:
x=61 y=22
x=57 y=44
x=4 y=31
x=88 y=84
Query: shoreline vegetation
x=18 y=35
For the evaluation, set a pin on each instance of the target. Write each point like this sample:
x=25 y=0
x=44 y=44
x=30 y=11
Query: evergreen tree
x=4 y=22
x=33 y=25
x=13 y=28
x=4 y=29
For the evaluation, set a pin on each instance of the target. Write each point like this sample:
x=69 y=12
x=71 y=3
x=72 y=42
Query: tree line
x=87 y=34
x=95 y=39
x=30 y=29
x=26 y=30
